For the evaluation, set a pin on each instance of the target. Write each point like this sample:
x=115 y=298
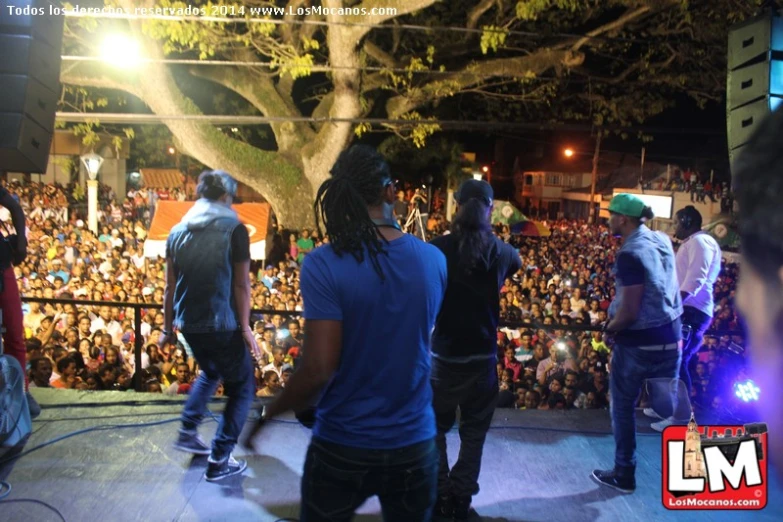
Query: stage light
x=747 y=391
x=121 y=51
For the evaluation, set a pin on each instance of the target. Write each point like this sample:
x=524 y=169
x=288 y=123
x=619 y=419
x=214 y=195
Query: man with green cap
x=645 y=323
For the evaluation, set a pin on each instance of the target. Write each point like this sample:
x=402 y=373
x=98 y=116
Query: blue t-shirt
x=380 y=395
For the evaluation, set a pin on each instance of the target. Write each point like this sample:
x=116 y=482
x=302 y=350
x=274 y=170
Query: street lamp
x=568 y=152
x=92 y=162
x=121 y=51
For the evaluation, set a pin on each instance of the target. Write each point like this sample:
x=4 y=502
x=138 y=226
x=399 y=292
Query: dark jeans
x=699 y=322
x=222 y=356
x=473 y=387
x=338 y=479
x=630 y=368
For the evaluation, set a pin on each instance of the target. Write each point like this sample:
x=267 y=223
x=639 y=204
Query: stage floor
x=536 y=467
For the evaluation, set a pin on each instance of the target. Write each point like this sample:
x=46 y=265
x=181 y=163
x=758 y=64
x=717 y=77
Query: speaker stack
x=755 y=79
x=30 y=47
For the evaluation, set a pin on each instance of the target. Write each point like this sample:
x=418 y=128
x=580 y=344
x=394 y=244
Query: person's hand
x=252 y=345
x=165 y=339
x=20 y=250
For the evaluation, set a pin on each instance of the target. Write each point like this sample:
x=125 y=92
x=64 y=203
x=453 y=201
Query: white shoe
x=651 y=413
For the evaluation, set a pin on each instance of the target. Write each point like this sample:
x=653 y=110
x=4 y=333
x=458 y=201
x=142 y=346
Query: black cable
x=34 y=501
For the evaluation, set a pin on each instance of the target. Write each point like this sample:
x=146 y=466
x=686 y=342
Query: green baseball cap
x=627 y=205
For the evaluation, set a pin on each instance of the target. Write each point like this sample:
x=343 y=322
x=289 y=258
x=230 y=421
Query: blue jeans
x=338 y=479
x=222 y=356
x=630 y=368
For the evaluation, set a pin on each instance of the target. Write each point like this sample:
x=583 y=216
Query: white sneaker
x=651 y=413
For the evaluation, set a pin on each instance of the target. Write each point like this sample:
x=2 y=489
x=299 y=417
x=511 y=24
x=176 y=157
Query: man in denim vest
x=208 y=300
x=645 y=323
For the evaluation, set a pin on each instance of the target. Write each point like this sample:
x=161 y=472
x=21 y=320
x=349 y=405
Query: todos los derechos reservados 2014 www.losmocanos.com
x=191 y=10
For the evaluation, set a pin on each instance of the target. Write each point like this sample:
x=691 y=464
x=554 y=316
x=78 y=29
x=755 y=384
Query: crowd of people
x=566 y=280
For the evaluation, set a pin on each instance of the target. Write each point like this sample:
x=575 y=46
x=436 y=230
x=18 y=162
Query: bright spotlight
x=121 y=51
x=747 y=391
x=568 y=153
x=172 y=150
x=561 y=346
x=485 y=169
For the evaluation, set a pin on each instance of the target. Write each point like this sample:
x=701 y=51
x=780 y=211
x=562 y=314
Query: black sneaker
x=228 y=467
x=444 y=508
x=611 y=478
x=190 y=442
x=462 y=509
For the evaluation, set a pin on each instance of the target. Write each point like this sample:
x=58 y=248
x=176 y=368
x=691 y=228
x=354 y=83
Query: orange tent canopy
x=168 y=213
x=255 y=216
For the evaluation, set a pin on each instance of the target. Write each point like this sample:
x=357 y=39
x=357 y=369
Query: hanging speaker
x=31 y=45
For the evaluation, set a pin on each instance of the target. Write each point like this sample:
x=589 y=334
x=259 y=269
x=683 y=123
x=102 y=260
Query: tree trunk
x=293 y=208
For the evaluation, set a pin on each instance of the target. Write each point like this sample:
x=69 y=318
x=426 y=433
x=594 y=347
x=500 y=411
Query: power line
x=315 y=68
x=219 y=119
x=255 y=20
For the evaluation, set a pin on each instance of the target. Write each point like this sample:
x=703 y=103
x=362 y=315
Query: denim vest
x=200 y=247
x=661 y=302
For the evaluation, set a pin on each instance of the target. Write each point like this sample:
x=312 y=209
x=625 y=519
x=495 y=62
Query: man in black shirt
x=464 y=343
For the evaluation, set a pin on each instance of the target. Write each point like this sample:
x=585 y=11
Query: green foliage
x=492 y=37
x=531 y=9
x=419 y=132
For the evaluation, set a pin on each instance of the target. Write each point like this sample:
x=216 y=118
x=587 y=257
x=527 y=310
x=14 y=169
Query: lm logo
x=715 y=467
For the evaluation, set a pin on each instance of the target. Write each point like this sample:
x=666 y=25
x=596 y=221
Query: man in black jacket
x=464 y=345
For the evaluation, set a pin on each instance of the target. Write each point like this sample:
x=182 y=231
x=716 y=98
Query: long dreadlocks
x=358 y=178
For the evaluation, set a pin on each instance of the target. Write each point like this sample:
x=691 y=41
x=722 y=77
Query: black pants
x=472 y=387
x=699 y=322
x=338 y=479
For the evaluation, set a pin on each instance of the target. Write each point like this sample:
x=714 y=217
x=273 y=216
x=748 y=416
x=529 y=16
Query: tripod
x=414 y=221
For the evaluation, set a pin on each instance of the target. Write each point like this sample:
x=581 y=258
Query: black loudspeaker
x=754 y=86
x=30 y=46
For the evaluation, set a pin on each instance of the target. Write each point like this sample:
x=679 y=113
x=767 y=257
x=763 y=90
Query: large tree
x=611 y=62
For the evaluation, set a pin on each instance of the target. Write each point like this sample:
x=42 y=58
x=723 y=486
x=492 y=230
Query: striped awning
x=162 y=178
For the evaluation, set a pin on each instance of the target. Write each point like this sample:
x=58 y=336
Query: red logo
x=715 y=467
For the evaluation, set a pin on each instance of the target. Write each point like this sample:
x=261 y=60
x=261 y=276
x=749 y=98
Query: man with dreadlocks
x=464 y=344
x=370 y=300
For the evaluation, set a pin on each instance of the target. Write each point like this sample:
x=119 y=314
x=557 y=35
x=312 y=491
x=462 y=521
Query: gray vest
x=661 y=302
x=203 y=296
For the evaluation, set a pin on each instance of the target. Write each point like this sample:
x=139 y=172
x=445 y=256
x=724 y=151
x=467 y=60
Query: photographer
x=13 y=251
x=557 y=364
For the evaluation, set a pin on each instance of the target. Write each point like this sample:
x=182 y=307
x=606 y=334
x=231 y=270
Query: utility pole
x=592 y=215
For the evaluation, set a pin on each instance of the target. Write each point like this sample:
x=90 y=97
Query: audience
x=566 y=280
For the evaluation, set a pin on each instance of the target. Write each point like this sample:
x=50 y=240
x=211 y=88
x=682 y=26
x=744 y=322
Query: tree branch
x=381 y=56
x=475 y=74
x=260 y=92
x=402 y=7
x=96 y=74
x=629 y=15
x=477 y=11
